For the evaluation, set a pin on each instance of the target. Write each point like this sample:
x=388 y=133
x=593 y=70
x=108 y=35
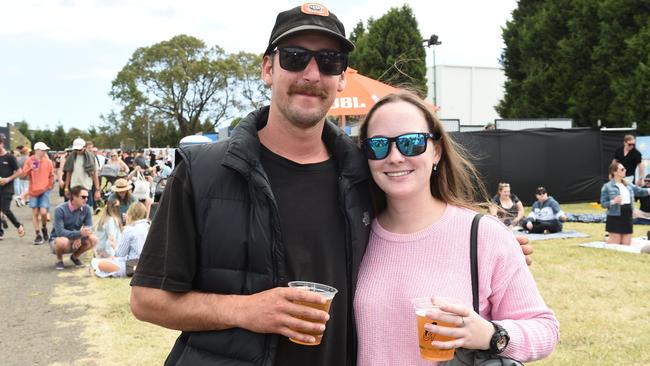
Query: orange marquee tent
x=360 y=94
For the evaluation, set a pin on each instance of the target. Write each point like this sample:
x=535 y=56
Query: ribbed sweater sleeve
x=435 y=262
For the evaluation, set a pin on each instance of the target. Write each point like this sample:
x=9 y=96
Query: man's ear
x=267 y=70
x=343 y=81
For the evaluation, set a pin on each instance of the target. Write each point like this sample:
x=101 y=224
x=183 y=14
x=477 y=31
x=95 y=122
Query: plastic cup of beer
x=422 y=305
x=327 y=292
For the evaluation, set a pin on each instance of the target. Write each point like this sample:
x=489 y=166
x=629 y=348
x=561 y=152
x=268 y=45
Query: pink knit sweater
x=435 y=262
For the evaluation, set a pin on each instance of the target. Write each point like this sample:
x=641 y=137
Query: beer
x=327 y=292
x=427 y=351
x=319 y=336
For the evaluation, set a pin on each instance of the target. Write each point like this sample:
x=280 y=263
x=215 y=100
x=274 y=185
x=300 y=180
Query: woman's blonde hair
x=111 y=209
x=137 y=211
x=455 y=180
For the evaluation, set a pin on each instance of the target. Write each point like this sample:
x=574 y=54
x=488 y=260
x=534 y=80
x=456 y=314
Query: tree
x=587 y=60
x=391 y=50
x=178 y=80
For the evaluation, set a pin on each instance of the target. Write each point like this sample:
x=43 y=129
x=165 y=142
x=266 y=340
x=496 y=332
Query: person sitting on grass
x=546 y=214
x=641 y=216
x=72 y=231
x=122 y=192
x=109 y=230
x=507 y=206
x=128 y=252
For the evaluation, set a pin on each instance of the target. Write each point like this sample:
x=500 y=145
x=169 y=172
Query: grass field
x=601 y=297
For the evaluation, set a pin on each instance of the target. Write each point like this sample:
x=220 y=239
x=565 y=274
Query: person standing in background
x=631 y=159
x=9 y=170
x=40 y=170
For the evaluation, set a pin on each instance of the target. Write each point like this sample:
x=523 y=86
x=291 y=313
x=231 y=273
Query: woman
x=419 y=246
x=116 y=162
x=109 y=230
x=133 y=238
x=122 y=193
x=509 y=208
x=617 y=197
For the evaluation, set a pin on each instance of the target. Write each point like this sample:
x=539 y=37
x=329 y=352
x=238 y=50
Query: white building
x=467 y=93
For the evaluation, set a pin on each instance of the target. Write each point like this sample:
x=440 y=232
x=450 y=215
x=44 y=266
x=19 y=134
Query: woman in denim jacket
x=617 y=196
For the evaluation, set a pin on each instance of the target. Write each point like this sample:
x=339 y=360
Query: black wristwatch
x=499 y=340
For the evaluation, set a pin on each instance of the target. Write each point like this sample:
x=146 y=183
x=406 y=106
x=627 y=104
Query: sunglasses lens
x=331 y=62
x=376 y=148
x=296 y=59
x=412 y=144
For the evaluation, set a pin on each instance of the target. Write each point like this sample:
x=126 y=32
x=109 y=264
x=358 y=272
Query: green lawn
x=602 y=299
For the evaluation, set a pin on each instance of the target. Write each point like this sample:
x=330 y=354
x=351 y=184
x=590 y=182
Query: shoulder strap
x=474 y=259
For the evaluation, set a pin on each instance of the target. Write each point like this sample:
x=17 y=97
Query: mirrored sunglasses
x=408 y=144
x=297 y=58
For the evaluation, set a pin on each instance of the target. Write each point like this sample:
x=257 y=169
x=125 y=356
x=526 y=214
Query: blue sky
x=58 y=57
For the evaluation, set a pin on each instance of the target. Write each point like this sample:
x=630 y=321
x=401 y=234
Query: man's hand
x=97 y=195
x=275 y=311
x=85 y=231
x=3 y=181
x=526 y=248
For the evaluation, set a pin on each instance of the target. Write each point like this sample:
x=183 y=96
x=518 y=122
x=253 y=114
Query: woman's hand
x=617 y=200
x=470 y=330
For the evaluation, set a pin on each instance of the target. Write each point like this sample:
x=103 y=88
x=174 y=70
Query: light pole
x=433 y=42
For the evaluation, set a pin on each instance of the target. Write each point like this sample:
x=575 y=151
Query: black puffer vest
x=239 y=246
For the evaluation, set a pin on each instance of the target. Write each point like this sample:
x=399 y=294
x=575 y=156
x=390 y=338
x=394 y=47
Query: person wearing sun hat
x=40 y=170
x=82 y=170
x=121 y=191
x=262 y=208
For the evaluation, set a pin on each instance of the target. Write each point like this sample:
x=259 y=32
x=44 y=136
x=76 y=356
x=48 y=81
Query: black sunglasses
x=83 y=197
x=408 y=144
x=297 y=58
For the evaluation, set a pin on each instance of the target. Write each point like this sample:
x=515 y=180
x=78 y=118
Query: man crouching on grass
x=72 y=231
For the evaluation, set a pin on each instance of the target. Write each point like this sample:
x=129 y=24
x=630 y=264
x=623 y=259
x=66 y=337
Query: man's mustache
x=309 y=89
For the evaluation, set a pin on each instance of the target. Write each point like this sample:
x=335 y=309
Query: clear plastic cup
x=421 y=306
x=326 y=291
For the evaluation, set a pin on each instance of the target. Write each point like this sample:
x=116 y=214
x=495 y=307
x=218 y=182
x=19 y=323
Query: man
x=40 y=170
x=630 y=157
x=285 y=198
x=546 y=214
x=140 y=160
x=72 y=231
x=642 y=215
x=9 y=170
x=18 y=186
x=81 y=169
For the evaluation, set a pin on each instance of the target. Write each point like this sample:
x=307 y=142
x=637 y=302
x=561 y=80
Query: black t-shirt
x=629 y=161
x=313 y=235
x=8 y=165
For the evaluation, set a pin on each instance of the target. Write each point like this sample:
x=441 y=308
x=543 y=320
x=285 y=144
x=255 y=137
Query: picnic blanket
x=634 y=247
x=560 y=235
x=584 y=217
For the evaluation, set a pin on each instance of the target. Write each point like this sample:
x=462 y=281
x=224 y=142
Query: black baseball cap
x=540 y=190
x=308 y=16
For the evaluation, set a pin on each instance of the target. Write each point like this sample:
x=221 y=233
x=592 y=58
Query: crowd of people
x=122 y=201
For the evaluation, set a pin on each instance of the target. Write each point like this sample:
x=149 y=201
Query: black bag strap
x=474 y=259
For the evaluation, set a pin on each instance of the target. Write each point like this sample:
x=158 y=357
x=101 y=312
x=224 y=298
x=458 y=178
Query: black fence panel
x=570 y=163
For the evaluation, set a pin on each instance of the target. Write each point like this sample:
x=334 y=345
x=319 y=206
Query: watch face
x=502 y=342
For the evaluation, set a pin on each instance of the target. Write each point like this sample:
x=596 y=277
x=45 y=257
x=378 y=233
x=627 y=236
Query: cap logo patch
x=314 y=9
